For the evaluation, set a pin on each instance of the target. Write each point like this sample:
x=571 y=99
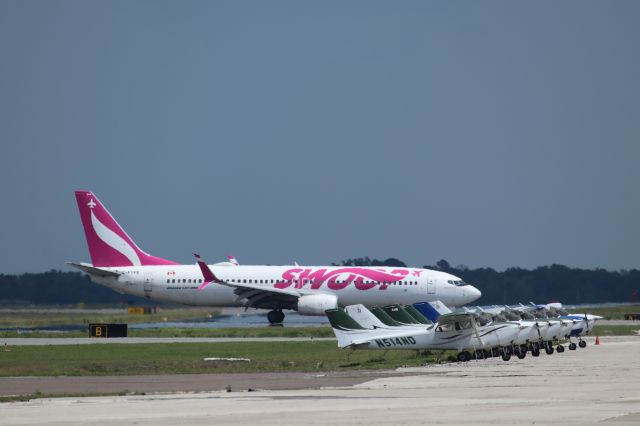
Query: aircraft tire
x=479 y=354
x=275 y=317
x=582 y=344
x=506 y=356
x=495 y=352
x=572 y=346
x=549 y=349
x=560 y=348
x=521 y=354
x=464 y=356
x=535 y=352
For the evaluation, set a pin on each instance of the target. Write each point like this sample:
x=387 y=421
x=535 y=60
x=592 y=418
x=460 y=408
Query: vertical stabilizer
x=344 y=327
x=108 y=244
x=364 y=317
x=432 y=310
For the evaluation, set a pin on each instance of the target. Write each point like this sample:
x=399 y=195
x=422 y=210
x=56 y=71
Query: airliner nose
x=472 y=294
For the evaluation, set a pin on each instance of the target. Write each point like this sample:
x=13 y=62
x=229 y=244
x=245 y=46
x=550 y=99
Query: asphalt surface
x=595 y=385
x=183 y=382
x=35 y=341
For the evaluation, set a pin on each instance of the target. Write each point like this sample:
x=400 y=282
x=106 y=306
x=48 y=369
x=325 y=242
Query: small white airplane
x=553 y=324
x=118 y=263
x=458 y=331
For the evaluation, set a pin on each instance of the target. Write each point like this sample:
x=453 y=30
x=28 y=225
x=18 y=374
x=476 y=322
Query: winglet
x=233 y=260
x=208 y=276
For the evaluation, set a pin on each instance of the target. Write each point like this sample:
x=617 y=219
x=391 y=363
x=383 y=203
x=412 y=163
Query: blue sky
x=486 y=133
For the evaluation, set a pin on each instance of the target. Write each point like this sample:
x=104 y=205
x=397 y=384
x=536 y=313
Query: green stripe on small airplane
x=384 y=317
x=340 y=320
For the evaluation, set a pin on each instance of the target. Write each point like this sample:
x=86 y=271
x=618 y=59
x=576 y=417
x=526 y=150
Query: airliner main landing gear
x=276 y=316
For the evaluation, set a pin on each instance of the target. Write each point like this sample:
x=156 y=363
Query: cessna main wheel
x=582 y=344
x=572 y=346
x=464 y=356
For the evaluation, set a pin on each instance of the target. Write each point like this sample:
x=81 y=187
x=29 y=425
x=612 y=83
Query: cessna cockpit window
x=464 y=324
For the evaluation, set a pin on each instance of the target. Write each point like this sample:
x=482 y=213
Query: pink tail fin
x=108 y=244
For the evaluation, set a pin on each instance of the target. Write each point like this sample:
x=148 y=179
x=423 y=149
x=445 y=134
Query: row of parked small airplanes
x=476 y=333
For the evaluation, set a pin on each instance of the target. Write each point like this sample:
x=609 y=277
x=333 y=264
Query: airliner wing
x=257 y=296
x=90 y=269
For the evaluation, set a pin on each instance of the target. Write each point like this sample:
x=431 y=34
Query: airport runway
x=36 y=341
x=596 y=385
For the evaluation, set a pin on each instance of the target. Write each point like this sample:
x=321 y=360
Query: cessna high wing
x=118 y=263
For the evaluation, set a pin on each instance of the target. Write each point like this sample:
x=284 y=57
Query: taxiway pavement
x=35 y=341
x=595 y=385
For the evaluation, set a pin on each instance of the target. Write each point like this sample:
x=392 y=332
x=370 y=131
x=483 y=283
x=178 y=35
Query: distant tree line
x=542 y=284
x=59 y=288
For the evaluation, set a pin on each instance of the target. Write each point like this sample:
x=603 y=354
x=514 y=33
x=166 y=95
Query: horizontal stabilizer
x=90 y=269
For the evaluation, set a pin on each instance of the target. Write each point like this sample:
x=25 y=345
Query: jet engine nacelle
x=316 y=304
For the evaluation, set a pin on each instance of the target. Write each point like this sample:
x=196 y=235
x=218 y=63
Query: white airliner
x=118 y=263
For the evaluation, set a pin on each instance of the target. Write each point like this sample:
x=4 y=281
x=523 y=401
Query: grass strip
x=608 y=312
x=266 y=331
x=49 y=318
x=188 y=358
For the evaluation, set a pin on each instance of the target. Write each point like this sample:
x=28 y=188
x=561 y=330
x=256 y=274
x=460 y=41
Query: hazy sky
x=486 y=133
